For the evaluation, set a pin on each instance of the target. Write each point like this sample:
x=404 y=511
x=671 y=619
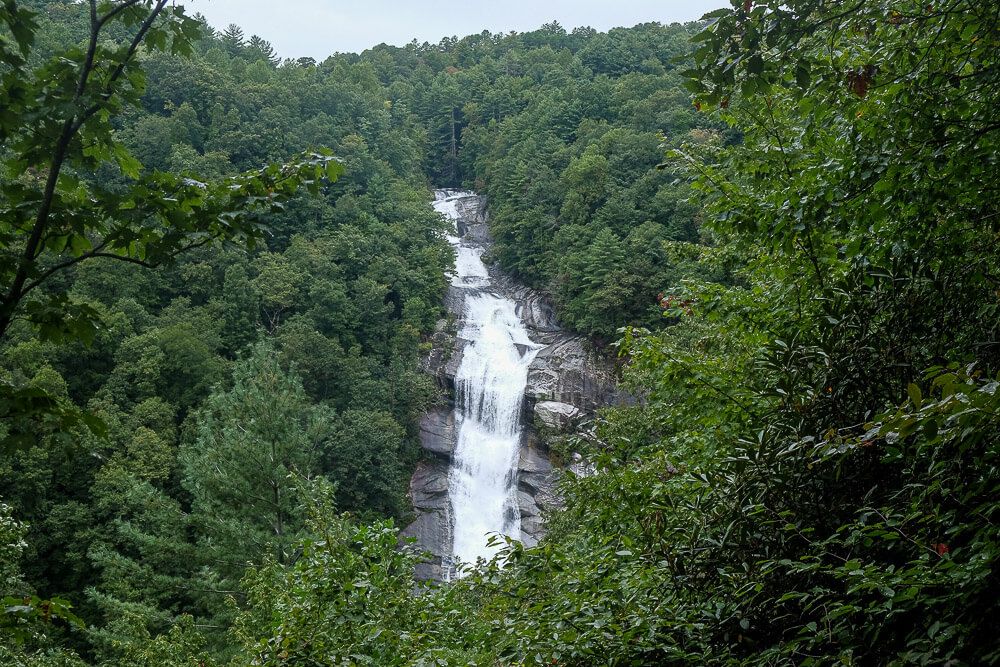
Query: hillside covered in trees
x=219 y=271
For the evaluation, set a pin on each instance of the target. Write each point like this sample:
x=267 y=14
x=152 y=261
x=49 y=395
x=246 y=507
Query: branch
x=97 y=252
x=59 y=267
x=96 y=25
x=153 y=265
x=70 y=127
x=697 y=378
x=923 y=547
x=114 y=12
x=120 y=69
x=88 y=63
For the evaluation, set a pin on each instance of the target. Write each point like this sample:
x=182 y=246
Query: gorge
x=705 y=329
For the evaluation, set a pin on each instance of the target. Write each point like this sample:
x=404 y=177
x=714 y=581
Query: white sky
x=318 y=28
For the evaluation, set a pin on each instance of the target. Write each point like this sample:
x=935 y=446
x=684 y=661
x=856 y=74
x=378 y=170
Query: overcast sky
x=318 y=28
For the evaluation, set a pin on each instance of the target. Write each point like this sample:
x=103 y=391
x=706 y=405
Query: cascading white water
x=489 y=389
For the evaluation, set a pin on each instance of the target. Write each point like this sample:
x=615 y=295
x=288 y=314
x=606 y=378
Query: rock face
x=565 y=383
x=437 y=432
x=432 y=527
x=555 y=414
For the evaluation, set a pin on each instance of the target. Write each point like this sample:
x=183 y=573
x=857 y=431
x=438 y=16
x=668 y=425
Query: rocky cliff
x=565 y=382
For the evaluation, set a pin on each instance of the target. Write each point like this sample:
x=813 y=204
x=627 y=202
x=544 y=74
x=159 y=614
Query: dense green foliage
x=813 y=476
x=263 y=329
x=804 y=293
x=563 y=132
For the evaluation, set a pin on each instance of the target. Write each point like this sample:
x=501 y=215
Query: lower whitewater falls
x=489 y=393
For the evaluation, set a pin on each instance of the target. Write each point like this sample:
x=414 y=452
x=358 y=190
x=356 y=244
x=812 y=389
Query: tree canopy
x=781 y=221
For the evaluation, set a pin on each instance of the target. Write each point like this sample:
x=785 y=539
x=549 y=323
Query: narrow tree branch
x=59 y=267
x=114 y=12
x=70 y=127
x=96 y=252
x=120 y=69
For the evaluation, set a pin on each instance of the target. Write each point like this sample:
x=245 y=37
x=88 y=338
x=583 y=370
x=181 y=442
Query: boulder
x=437 y=431
x=532 y=524
x=432 y=533
x=556 y=415
x=535 y=473
x=429 y=486
x=533 y=460
x=431 y=530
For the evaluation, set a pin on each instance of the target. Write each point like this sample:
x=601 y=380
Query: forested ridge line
x=782 y=218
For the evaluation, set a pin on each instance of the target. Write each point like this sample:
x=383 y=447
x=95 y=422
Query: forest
x=220 y=270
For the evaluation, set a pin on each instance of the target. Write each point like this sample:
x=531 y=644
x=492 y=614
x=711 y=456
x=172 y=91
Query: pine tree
x=233 y=39
x=252 y=442
x=261 y=49
x=443 y=106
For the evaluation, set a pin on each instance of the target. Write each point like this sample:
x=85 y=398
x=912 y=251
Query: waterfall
x=489 y=391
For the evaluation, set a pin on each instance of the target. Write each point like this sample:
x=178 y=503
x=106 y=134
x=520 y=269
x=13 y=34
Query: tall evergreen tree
x=252 y=443
x=261 y=49
x=233 y=39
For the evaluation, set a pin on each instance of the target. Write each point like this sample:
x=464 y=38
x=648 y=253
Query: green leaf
x=717 y=14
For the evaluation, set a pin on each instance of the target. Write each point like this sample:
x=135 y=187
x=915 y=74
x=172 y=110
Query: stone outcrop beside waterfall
x=565 y=383
x=563 y=371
